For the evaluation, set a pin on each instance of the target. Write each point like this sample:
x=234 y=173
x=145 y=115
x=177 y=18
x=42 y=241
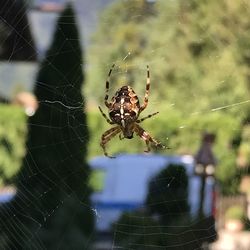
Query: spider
x=124 y=111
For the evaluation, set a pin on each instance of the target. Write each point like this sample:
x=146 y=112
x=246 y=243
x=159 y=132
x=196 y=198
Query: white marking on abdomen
x=123 y=122
x=122 y=112
x=122 y=109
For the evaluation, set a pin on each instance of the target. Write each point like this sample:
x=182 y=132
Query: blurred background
x=58 y=191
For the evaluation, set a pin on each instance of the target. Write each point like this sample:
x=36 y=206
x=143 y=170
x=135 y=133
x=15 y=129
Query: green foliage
x=182 y=134
x=206 y=66
x=235 y=212
x=227 y=174
x=97 y=180
x=52 y=203
x=244 y=148
x=119 y=35
x=208 y=62
x=198 y=53
x=12 y=140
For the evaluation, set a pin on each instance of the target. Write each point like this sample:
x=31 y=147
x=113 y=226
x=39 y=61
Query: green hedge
x=12 y=141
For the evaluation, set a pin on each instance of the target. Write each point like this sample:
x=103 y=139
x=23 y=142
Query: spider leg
x=105 y=117
x=107 y=136
x=121 y=137
x=145 y=136
x=145 y=103
x=107 y=88
x=148 y=116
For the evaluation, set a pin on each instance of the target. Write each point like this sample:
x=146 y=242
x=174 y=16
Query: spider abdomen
x=125 y=106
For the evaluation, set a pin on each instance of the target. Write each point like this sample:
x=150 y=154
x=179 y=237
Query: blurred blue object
x=7 y=194
x=6 y=197
x=125 y=185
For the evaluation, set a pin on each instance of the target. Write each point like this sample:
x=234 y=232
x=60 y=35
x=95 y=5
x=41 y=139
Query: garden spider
x=124 y=110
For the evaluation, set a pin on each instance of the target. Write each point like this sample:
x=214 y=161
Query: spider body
x=124 y=111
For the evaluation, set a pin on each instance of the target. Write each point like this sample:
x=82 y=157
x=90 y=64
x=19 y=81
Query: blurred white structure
x=28 y=101
x=232 y=241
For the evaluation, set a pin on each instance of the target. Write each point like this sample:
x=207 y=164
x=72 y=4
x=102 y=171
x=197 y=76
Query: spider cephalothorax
x=124 y=110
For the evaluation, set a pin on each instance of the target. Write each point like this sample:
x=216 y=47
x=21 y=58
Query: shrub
x=168 y=193
x=12 y=141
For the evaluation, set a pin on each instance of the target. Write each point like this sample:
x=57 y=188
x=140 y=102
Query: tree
x=16 y=40
x=198 y=53
x=52 y=209
x=195 y=50
x=122 y=37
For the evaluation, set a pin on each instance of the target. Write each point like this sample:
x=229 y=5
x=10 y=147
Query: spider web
x=138 y=230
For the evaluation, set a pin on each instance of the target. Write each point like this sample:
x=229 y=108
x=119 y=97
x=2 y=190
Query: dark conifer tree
x=52 y=209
